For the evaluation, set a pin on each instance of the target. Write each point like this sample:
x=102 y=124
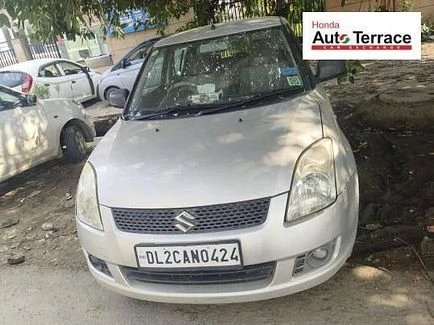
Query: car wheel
x=108 y=92
x=74 y=144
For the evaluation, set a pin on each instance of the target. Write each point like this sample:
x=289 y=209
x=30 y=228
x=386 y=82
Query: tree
x=72 y=18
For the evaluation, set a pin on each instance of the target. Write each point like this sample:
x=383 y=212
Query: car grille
x=246 y=274
x=211 y=218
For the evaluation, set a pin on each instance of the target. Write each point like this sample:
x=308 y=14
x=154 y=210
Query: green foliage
x=353 y=67
x=41 y=91
x=73 y=18
x=4 y=20
x=427 y=29
x=406 y=5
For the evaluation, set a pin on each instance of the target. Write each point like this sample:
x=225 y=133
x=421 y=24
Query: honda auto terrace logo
x=184 y=221
x=364 y=35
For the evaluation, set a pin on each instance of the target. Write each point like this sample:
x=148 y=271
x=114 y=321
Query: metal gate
x=236 y=9
x=296 y=9
x=7 y=55
x=44 y=51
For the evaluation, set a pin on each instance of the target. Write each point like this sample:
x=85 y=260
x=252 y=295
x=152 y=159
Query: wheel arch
x=88 y=134
x=107 y=89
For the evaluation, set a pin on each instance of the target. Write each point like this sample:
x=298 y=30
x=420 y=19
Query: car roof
x=32 y=66
x=221 y=29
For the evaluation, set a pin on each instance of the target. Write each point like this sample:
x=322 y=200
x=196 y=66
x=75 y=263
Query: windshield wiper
x=214 y=108
x=161 y=113
x=255 y=98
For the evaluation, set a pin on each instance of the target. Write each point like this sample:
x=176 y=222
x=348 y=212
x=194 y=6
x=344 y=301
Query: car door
x=79 y=79
x=131 y=65
x=49 y=75
x=25 y=134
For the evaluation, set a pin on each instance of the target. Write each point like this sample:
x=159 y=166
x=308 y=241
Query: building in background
x=137 y=33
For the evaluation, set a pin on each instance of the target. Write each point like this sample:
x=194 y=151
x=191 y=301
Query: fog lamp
x=320 y=253
x=318 y=257
x=99 y=264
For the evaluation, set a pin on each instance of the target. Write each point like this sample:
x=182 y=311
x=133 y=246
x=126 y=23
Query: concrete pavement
x=356 y=295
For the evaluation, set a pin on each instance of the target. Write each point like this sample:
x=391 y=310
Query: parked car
x=34 y=131
x=227 y=178
x=64 y=78
x=124 y=73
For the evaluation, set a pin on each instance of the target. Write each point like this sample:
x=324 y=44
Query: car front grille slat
x=211 y=218
x=246 y=274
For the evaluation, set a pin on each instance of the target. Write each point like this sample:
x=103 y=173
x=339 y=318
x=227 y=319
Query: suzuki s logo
x=185 y=221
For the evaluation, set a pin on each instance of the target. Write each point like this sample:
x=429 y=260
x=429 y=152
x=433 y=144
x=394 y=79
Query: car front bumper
x=272 y=241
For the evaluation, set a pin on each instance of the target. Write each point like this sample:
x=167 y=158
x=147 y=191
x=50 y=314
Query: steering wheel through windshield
x=179 y=94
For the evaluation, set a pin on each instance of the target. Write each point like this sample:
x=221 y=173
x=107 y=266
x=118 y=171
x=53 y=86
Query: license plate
x=189 y=256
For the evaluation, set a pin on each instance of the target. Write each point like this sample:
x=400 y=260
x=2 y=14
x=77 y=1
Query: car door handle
x=74 y=81
x=47 y=85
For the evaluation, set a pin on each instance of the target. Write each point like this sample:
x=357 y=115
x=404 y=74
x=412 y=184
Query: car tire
x=108 y=91
x=74 y=144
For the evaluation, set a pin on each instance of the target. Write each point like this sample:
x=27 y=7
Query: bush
x=427 y=29
x=41 y=91
x=353 y=67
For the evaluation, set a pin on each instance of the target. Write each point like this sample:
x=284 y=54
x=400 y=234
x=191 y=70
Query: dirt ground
x=394 y=150
x=395 y=165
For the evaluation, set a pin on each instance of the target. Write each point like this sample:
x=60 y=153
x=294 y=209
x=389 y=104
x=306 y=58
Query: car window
x=49 y=71
x=11 y=78
x=224 y=70
x=138 y=55
x=8 y=101
x=70 y=68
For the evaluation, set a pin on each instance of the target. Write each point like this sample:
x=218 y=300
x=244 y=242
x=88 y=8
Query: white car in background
x=34 y=131
x=64 y=78
x=123 y=74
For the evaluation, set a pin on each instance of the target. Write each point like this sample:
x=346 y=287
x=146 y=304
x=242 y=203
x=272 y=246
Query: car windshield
x=211 y=73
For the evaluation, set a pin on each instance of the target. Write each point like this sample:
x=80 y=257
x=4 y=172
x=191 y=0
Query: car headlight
x=87 y=208
x=313 y=183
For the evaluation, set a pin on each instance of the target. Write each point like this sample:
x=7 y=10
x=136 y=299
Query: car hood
x=205 y=160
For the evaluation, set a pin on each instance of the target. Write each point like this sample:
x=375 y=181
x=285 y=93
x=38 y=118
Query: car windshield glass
x=137 y=56
x=214 y=72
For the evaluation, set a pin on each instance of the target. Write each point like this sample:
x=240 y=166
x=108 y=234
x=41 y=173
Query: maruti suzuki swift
x=227 y=177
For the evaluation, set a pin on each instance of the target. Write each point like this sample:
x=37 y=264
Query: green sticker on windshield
x=294 y=81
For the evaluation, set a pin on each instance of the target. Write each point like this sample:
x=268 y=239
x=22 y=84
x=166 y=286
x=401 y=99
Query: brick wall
x=118 y=47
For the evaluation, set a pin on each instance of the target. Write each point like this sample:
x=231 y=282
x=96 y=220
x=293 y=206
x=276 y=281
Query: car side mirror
x=124 y=64
x=28 y=100
x=118 y=97
x=330 y=69
x=86 y=69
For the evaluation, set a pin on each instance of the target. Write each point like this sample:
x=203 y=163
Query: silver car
x=227 y=179
x=123 y=73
